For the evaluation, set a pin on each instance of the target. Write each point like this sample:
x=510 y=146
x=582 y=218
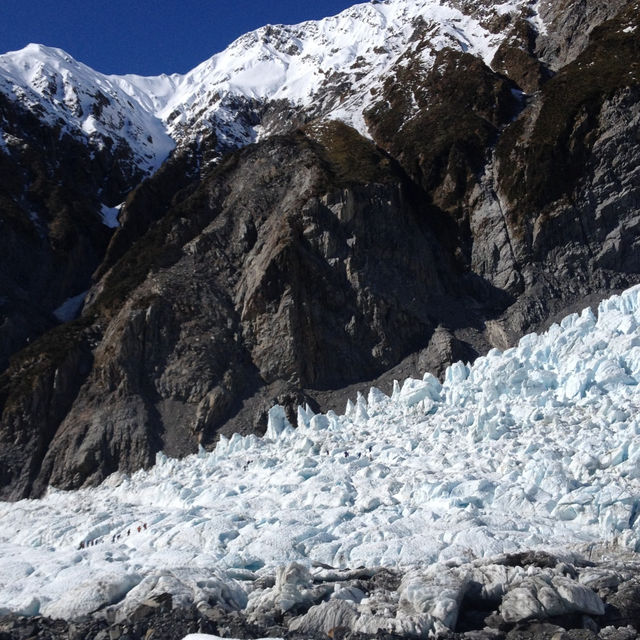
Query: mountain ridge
x=296 y=63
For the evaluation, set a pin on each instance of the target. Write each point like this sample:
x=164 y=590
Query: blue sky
x=145 y=37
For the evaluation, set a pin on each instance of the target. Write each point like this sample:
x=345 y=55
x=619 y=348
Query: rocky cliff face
x=492 y=198
x=54 y=194
x=529 y=180
x=304 y=263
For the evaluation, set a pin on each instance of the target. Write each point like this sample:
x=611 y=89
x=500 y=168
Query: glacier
x=533 y=448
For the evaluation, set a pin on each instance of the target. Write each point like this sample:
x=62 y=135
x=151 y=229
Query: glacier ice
x=534 y=448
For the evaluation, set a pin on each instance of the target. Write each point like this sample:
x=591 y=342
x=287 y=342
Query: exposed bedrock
x=52 y=234
x=281 y=274
x=543 y=193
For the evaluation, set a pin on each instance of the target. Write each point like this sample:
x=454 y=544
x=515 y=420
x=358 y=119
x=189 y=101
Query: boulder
x=542 y=597
x=293 y=592
x=324 y=617
x=623 y=606
x=150 y=606
x=438 y=596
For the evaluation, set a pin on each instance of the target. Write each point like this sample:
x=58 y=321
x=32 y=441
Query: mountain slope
x=312 y=261
x=330 y=68
x=55 y=194
x=266 y=278
x=273 y=78
x=83 y=103
x=269 y=81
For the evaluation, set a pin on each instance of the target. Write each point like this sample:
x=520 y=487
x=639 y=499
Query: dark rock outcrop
x=531 y=197
x=261 y=284
x=52 y=189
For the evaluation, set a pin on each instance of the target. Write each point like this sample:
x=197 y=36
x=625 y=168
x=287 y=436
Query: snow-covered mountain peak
x=83 y=103
x=327 y=68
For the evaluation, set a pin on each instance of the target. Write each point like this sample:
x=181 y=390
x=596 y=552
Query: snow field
x=536 y=447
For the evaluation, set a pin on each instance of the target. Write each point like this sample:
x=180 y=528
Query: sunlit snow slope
x=81 y=102
x=330 y=68
x=536 y=447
